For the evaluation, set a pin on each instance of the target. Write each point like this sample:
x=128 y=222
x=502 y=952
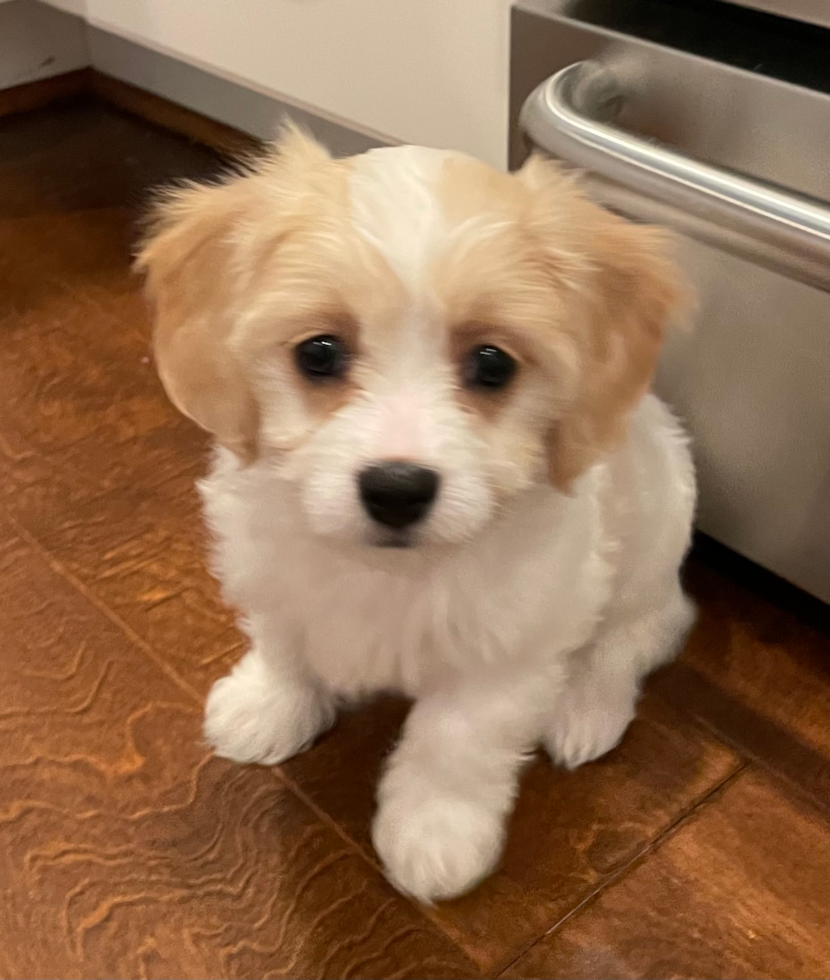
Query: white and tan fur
x=543 y=585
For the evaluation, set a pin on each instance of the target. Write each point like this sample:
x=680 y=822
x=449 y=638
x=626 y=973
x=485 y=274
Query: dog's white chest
x=530 y=587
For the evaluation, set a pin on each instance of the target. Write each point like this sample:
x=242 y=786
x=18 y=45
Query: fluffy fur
x=542 y=587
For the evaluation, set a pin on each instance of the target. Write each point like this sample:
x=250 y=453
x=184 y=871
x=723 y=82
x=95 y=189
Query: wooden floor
x=698 y=849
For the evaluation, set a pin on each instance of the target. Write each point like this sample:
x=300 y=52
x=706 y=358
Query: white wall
x=77 y=7
x=420 y=71
x=38 y=43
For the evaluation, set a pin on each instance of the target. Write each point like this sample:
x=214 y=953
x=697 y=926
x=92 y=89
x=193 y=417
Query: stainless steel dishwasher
x=714 y=118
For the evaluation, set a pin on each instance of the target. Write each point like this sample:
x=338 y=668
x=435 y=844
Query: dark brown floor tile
x=751 y=733
x=84 y=413
x=740 y=890
x=89 y=156
x=124 y=852
x=49 y=257
x=77 y=374
x=23 y=468
x=758 y=676
x=29 y=96
x=571 y=831
x=341 y=772
x=767 y=659
x=77 y=697
x=142 y=552
x=234 y=879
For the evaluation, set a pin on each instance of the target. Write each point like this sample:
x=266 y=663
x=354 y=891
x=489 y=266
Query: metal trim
x=569 y=115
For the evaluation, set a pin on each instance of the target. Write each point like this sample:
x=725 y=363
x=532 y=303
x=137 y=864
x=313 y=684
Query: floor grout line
x=753 y=757
x=732 y=721
x=89 y=594
x=279 y=772
x=674 y=827
x=370 y=859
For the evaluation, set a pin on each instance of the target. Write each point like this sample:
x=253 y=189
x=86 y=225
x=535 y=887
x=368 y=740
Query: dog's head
x=410 y=337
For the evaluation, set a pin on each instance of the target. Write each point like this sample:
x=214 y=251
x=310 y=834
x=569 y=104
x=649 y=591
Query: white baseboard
x=222 y=99
x=38 y=41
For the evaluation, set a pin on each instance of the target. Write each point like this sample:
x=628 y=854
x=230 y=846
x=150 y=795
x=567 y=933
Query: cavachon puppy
x=438 y=469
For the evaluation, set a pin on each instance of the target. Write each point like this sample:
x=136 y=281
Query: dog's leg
x=451 y=782
x=268 y=708
x=599 y=700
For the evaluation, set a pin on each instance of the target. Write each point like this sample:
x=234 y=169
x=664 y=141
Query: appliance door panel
x=810 y=11
x=752 y=379
x=752 y=382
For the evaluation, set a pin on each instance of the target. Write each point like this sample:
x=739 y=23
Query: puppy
x=438 y=469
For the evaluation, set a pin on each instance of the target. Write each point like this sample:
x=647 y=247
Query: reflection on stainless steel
x=752 y=380
x=757 y=221
x=810 y=11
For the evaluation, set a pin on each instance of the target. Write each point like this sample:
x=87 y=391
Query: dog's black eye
x=488 y=367
x=322 y=357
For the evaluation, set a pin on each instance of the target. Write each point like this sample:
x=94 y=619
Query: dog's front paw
x=585 y=729
x=436 y=845
x=252 y=715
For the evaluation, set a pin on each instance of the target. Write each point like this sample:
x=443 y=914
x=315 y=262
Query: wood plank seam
x=709 y=798
x=783 y=753
x=368 y=857
x=60 y=569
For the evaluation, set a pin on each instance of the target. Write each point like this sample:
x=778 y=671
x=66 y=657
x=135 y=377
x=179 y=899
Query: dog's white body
x=540 y=630
x=543 y=585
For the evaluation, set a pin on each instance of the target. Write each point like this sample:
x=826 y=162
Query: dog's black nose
x=397 y=494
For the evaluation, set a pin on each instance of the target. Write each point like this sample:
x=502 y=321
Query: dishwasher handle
x=569 y=117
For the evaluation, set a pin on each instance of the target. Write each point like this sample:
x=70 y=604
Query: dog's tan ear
x=200 y=252
x=636 y=291
x=188 y=261
x=627 y=287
